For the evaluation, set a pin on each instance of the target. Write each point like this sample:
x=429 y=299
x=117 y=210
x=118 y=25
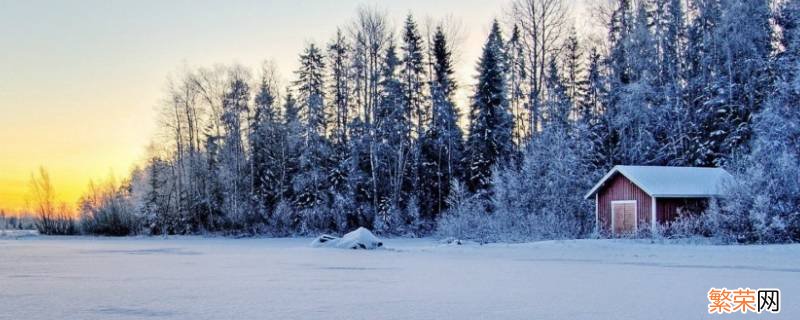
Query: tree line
x=369 y=132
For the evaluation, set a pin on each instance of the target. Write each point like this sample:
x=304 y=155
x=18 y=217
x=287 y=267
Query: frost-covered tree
x=632 y=98
x=340 y=87
x=517 y=82
x=370 y=31
x=730 y=80
x=369 y=133
x=311 y=183
x=391 y=150
x=412 y=70
x=543 y=199
x=443 y=146
x=466 y=217
x=542 y=24
x=339 y=54
x=489 y=143
x=233 y=160
x=574 y=80
x=266 y=148
x=558 y=104
x=590 y=102
x=285 y=218
x=415 y=99
x=765 y=201
x=674 y=119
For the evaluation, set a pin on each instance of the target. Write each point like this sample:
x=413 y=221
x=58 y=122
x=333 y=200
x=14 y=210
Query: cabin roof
x=671 y=182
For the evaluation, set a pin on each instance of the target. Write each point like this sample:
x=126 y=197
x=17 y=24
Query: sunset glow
x=79 y=81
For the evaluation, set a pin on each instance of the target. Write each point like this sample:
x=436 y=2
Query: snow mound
x=450 y=241
x=18 y=233
x=361 y=238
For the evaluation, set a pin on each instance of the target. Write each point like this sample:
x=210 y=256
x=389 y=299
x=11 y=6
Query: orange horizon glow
x=80 y=81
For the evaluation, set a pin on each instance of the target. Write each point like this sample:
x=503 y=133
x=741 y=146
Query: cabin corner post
x=653 y=216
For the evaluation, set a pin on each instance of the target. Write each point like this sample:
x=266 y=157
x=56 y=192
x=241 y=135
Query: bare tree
x=542 y=24
x=51 y=217
x=371 y=34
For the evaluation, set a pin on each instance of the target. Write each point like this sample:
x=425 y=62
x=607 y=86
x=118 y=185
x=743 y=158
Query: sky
x=80 y=80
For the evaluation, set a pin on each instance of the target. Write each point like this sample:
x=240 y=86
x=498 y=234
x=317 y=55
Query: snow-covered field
x=202 y=278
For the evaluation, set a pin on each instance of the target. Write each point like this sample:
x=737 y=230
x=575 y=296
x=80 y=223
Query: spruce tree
x=392 y=148
x=415 y=101
x=489 y=143
x=736 y=46
x=766 y=197
x=233 y=162
x=266 y=146
x=311 y=183
x=443 y=146
x=340 y=87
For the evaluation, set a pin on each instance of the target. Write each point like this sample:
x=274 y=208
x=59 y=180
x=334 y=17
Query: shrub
x=108 y=210
x=467 y=217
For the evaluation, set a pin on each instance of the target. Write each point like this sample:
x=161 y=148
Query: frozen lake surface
x=213 y=278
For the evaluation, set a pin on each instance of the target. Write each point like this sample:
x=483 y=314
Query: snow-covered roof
x=672 y=182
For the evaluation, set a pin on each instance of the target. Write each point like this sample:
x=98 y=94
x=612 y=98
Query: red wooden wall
x=667 y=208
x=620 y=188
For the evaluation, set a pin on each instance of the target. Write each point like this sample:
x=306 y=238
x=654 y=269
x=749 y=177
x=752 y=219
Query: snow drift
x=361 y=238
x=15 y=234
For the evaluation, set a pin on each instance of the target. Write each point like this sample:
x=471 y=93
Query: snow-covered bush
x=387 y=219
x=467 y=217
x=543 y=199
x=107 y=209
x=412 y=219
x=692 y=225
x=342 y=208
x=763 y=205
x=283 y=219
x=764 y=202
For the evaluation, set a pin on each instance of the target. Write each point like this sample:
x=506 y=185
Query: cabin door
x=623 y=216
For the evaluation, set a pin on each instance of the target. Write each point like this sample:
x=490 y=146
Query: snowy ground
x=200 y=278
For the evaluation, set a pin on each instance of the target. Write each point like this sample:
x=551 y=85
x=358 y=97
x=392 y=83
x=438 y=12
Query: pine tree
x=233 y=161
x=673 y=127
x=415 y=101
x=737 y=50
x=574 y=82
x=558 y=104
x=443 y=146
x=788 y=21
x=591 y=101
x=766 y=196
x=700 y=62
x=285 y=218
x=266 y=146
x=619 y=29
x=591 y=120
x=543 y=198
x=311 y=182
x=413 y=76
x=339 y=56
x=392 y=148
x=489 y=143
x=632 y=98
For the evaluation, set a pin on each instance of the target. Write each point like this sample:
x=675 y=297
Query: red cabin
x=630 y=198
